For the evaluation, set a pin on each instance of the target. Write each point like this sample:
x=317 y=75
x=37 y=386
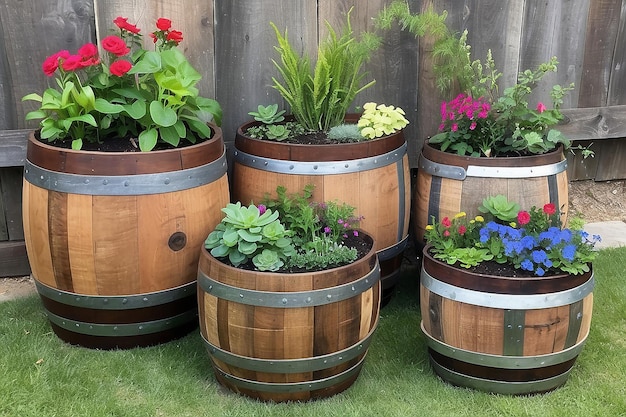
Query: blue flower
x=484 y=234
x=527 y=265
x=540 y=272
x=568 y=252
x=539 y=256
x=527 y=242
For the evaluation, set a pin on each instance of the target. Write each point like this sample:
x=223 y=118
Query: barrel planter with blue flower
x=503 y=334
x=373 y=176
x=114 y=238
x=279 y=336
x=448 y=183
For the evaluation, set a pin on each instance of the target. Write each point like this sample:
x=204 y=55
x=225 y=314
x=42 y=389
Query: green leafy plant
x=535 y=242
x=379 y=120
x=345 y=132
x=268 y=114
x=286 y=232
x=127 y=92
x=498 y=206
x=319 y=96
x=251 y=233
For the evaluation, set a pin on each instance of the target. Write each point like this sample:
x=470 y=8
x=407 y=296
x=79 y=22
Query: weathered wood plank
x=13 y=147
x=50 y=26
x=601 y=32
x=245 y=47
x=193 y=18
x=594 y=123
x=11 y=194
x=13 y=259
x=617 y=83
x=553 y=29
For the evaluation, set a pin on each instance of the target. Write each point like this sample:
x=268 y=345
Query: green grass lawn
x=42 y=376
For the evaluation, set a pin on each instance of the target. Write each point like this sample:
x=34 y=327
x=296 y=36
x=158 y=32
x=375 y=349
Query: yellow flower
x=429 y=227
x=513 y=224
x=459 y=215
x=479 y=219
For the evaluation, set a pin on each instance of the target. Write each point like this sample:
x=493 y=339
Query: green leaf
x=148 y=139
x=77 y=144
x=103 y=106
x=169 y=135
x=149 y=64
x=161 y=115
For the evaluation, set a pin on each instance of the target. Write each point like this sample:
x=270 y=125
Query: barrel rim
x=295 y=275
x=433 y=154
x=316 y=153
x=462 y=278
x=59 y=159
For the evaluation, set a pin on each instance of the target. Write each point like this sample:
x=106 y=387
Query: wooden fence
x=232 y=44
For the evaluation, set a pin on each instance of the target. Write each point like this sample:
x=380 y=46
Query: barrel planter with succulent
x=122 y=182
x=287 y=312
x=359 y=159
x=372 y=176
x=506 y=299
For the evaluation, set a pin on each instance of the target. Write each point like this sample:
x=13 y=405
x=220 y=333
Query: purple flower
x=355 y=232
x=262 y=208
x=327 y=230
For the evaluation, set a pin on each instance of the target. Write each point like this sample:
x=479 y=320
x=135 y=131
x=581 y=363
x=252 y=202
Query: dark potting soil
x=117 y=144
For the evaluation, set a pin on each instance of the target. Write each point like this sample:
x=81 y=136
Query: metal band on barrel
x=300 y=365
x=295 y=299
x=320 y=168
x=140 y=184
x=460 y=173
x=117 y=302
x=501 y=361
x=287 y=387
x=125 y=329
x=507 y=301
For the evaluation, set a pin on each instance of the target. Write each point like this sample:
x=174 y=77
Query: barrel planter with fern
x=373 y=176
x=503 y=334
x=114 y=238
x=288 y=336
x=447 y=183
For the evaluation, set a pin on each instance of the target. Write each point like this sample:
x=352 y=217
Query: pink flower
x=549 y=209
x=462 y=230
x=454 y=127
x=355 y=232
x=446 y=222
x=523 y=217
x=541 y=107
x=472 y=126
x=446 y=233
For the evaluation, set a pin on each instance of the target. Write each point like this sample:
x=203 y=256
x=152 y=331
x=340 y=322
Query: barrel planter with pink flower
x=508 y=335
x=448 y=183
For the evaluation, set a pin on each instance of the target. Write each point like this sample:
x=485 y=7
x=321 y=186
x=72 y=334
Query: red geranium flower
x=175 y=36
x=462 y=230
x=549 y=209
x=446 y=222
x=123 y=24
x=523 y=217
x=72 y=63
x=120 y=67
x=115 y=45
x=163 y=24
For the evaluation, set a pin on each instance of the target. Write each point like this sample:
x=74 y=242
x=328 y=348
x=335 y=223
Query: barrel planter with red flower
x=373 y=176
x=508 y=335
x=114 y=238
x=279 y=336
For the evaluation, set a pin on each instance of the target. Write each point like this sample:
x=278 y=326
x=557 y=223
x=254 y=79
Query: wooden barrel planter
x=448 y=184
x=114 y=239
x=501 y=334
x=372 y=176
x=288 y=337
